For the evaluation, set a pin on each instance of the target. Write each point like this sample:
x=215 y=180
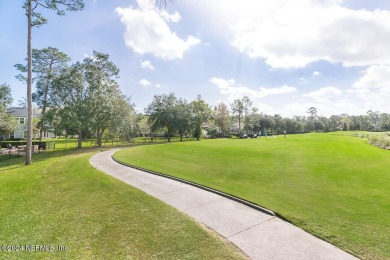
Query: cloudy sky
x=285 y=55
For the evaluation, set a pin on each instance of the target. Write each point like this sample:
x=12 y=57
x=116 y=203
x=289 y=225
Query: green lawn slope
x=61 y=200
x=336 y=187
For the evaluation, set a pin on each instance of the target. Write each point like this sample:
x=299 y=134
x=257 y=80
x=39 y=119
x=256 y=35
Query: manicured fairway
x=336 y=187
x=61 y=200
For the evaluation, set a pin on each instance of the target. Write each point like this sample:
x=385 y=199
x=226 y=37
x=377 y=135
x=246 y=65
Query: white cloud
x=304 y=32
x=328 y=101
x=373 y=88
x=324 y=93
x=292 y=34
x=264 y=92
x=316 y=74
x=234 y=91
x=147 y=65
x=175 y=17
x=144 y=83
x=375 y=77
x=324 y=108
x=147 y=31
x=303 y=80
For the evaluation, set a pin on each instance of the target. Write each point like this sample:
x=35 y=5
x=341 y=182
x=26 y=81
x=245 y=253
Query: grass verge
x=60 y=200
x=335 y=187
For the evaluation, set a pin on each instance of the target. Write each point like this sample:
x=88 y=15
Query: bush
x=382 y=141
x=45 y=145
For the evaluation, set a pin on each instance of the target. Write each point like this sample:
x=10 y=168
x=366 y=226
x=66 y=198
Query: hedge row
x=45 y=145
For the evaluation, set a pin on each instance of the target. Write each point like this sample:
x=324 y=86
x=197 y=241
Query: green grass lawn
x=61 y=200
x=70 y=143
x=336 y=187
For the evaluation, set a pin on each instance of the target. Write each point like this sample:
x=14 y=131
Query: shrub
x=382 y=141
x=41 y=144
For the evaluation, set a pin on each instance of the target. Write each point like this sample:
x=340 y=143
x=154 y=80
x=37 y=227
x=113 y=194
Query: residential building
x=20 y=114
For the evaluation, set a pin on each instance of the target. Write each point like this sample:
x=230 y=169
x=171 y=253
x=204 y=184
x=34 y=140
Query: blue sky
x=285 y=55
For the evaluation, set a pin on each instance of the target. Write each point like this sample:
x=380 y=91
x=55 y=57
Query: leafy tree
x=201 y=113
x=323 y=124
x=238 y=109
x=125 y=124
x=36 y=19
x=312 y=111
x=104 y=93
x=334 y=123
x=222 y=117
x=22 y=102
x=310 y=123
x=162 y=3
x=279 y=124
x=374 y=120
x=252 y=124
x=266 y=122
x=385 y=122
x=86 y=96
x=183 y=117
x=241 y=108
x=5 y=95
x=7 y=122
x=247 y=102
x=346 y=122
x=161 y=113
x=70 y=100
x=292 y=126
x=47 y=63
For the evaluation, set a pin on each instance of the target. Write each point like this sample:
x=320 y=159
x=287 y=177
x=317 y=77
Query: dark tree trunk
x=29 y=87
x=42 y=123
x=99 y=137
x=80 y=139
x=239 y=124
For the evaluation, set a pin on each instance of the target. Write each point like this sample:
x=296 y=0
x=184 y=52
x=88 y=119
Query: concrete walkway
x=259 y=235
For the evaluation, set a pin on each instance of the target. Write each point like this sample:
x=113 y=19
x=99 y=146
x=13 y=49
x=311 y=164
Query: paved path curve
x=259 y=235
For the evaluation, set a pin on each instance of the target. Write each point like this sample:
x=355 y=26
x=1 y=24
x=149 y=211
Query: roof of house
x=22 y=112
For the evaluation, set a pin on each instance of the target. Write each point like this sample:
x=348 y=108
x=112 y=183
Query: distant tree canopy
x=175 y=116
x=222 y=118
x=201 y=113
x=5 y=95
x=7 y=122
x=86 y=98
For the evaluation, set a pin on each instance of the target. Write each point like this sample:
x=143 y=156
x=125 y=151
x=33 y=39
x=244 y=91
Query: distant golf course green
x=335 y=186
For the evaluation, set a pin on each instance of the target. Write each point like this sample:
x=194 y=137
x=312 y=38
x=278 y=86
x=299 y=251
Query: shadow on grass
x=18 y=162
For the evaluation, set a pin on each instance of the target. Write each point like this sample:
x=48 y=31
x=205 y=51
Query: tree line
x=84 y=99
x=171 y=115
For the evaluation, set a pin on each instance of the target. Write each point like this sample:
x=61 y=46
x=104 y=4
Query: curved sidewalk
x=259 y=235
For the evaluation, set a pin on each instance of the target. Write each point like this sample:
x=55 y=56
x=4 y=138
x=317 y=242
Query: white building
x=20 y=114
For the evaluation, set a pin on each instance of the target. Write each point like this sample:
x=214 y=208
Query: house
x=20 y=114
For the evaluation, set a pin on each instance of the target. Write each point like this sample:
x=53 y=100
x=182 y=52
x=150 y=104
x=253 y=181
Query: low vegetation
x=382 y=140
x=61 y=200
x=335 y=186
